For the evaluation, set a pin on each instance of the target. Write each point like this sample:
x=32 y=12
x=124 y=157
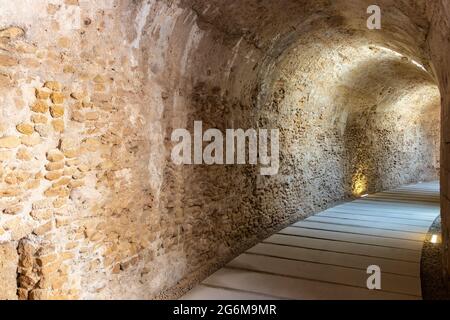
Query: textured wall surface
x=91 y=205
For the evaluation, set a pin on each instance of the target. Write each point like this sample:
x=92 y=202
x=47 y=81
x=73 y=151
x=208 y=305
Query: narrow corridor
x=327 y=255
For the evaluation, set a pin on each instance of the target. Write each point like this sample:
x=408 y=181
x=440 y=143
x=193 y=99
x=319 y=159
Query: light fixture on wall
x=434 y=238
x=364 y=195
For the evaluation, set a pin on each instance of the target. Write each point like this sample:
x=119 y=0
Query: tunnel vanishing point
x=91 y=204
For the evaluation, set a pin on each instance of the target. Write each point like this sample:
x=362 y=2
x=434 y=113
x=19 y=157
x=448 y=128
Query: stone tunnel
x=91 y=204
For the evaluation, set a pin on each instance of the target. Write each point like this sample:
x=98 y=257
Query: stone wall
x=91 y=205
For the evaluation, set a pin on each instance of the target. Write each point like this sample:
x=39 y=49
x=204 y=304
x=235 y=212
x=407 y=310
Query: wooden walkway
x=327 y=255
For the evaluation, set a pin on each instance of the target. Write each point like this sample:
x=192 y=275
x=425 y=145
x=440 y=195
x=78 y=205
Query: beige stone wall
x=91 y=205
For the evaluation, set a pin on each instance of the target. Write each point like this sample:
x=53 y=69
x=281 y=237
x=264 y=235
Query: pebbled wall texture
x=91 y=206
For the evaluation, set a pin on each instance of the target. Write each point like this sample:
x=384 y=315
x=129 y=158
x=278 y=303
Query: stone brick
x=58 y=125
x=7 y=61
x=57 y=111
x=60 y=202
x=39 y=106
x=54 y=166
x=45 y=260
x=42 y=214
x=43 y=229
x=8 y=271
x=10 y=192
x=53 y=85
x=25 y=128
x=78 y=95
x=69 y=69
x=38 y=294
x=92 y=116
x=57 y=192
x=76 y=184
x=22 y=294
x=24 y=154
x=15 y=209
x=43 y=130
x=12 y=33
x=26 y=282
x=64 y=42
x=9 y=142
x=39 y=118
x=31 y=140
x=100 y=79
x=64 y=181
x=32 y=184
x=78 y=116
x=57 y=98
x=19 y=229
x=55 y=155
x=43 y=94
x=54 y=175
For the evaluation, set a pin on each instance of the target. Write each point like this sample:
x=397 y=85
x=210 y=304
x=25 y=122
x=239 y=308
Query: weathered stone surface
x=12 y=33
x=31 y=140
x=9 y=142
x=53 y=85
x=352 y=116
x=58 y=125
x=57 y=111
x=40 y=106
x=8 y=271
x=8 y=61
x=57 y=98
x=25 y=128
x=39 y=118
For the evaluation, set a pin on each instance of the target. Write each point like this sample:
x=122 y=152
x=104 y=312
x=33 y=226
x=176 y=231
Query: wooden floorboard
x=326 y=255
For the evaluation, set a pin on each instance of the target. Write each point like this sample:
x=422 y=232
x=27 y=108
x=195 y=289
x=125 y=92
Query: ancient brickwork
x=90 y=91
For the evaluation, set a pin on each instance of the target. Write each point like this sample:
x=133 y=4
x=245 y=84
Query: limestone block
x=57 y=98
x=9 y=142
x=53 y=85
x=55 y=155
x=12 y=33
x=25 y=128
x=39 y=118
x=8 y=61
x=57 y=111
x=39 y=106
x=31 y=140
x=58 y=125
x=24 y=154
x=9 y=260
x=43 y=94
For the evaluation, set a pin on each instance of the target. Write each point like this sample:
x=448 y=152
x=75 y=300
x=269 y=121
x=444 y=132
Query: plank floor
x=326 y=255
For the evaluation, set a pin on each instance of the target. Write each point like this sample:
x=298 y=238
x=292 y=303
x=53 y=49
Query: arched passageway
x=92 y=206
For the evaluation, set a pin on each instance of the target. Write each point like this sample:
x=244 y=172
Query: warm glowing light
x=364 y=195
x=434 y=238
x=359 y=184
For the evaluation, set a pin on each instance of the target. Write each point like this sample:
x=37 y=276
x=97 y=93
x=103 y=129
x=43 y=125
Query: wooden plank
x=362 y=230
x=204 y=292
x=376 y=218
x=370 y=224
x=292 y=288
x=402 y=216
x=325 y=273
x=395 y=203
x=368 y=207
x=398 y=199
x=346 y=247
x=337 y=259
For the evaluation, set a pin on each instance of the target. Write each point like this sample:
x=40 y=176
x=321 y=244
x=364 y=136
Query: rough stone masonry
x=91 y=205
